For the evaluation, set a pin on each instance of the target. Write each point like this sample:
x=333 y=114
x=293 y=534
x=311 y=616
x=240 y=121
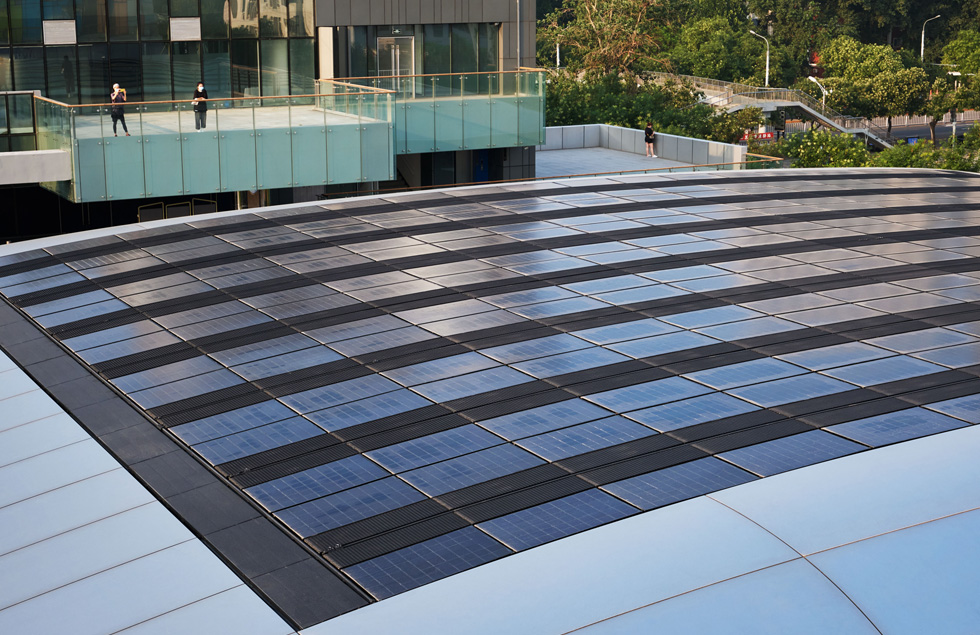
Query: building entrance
x=396 y=58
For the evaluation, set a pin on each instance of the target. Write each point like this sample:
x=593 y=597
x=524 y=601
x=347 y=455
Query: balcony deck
x=347 y=133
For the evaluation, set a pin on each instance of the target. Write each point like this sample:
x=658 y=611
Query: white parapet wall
x=667 y=146
x=34 y=166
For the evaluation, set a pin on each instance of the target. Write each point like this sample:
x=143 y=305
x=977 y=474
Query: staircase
x=732 y=97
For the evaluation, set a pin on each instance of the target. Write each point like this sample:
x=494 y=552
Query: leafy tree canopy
x=600 y=37
x=964 y=52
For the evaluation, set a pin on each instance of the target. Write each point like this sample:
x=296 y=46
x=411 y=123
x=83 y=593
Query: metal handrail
x=374 y=77
x=376 y=91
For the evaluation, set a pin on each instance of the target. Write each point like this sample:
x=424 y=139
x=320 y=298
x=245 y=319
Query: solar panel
x=625 y=331
x=662 y=344
x=647 y=394
x=790 y=453
x=232 y=421
x=424 y=562
x=544 y=418
x=470 y=469
x=471 y=384
x=745 y=373
x=882 y=371
x=348 y=506
x=368 y=409
x=783 y=391
x=433 y=448
x=564 y=363
x=689 y=412
x=966 y=408
x=895 y=427
x=539 y=347
x=681 y=482
x=556 y=519
x=585 y=437
x=247 y=442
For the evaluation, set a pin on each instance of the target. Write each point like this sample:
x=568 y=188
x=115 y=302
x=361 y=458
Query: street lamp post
x=823 y=91
x=767 y=55
x=922 y=46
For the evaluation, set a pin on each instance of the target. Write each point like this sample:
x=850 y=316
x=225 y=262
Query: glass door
x=396 y=61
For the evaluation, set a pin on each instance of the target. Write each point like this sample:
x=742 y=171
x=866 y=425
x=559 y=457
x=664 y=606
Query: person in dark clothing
x=68 y=74
x=118 y=98
x=648 y=136
x=200 y=107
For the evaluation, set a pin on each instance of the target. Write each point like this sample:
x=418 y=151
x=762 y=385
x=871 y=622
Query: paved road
x=943 y=131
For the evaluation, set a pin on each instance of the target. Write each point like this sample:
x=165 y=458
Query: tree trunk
x=889 y=116
x=932 y=130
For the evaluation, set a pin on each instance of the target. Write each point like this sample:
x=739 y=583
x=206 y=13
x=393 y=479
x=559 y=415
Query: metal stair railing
x=744 y=94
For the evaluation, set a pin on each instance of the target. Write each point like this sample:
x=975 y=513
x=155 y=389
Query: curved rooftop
x=600 y=402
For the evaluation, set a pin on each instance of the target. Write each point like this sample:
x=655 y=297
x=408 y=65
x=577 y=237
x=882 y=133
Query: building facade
x=73 y=51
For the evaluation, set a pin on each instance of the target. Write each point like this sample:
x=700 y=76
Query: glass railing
x=17 y=131
x=464 y=111
x=251 y=143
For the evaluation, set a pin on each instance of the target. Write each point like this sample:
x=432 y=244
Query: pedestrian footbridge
x=733 y=96
x=348 y=132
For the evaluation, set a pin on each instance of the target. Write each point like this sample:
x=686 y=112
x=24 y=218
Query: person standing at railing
x=200 y=107
x=648 y=137
x=118 y=98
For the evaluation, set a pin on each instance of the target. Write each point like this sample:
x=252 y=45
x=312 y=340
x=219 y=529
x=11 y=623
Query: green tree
x=964 y=52
x=711 y=48
x=943 y=98
x=820 y=149
x=601 y=37
x=870 y=80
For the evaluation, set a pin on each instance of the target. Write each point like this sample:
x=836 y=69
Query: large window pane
x=215 y=18
x=28 y=68
x=4 y=24
x=6 y=78
x=25 y=22
x=155 y=20
x=272 y=18
x=358 y=51
x=59 y=10
x=93 y=74
x=488 y=54
x=436 y=57
x=244 y=18
x=124 y=69
x=156 y=71
x=184 y=8
x=90 y=21
x=244 y=68
x=20 y=114
x=62 y=73
x=465 y=55
x=187 y=69
x=301 y=18
x=122 y=20
x=275 y=67
x=217 y=69
x=465 y=48
x=301 y=75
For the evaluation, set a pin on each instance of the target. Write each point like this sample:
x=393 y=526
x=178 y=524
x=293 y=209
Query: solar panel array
x=418 y=385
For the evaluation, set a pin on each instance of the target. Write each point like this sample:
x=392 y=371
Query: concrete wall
x=34 y=166
x=667 y=146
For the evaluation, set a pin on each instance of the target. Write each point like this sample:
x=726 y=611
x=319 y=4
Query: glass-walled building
x=73 y=51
